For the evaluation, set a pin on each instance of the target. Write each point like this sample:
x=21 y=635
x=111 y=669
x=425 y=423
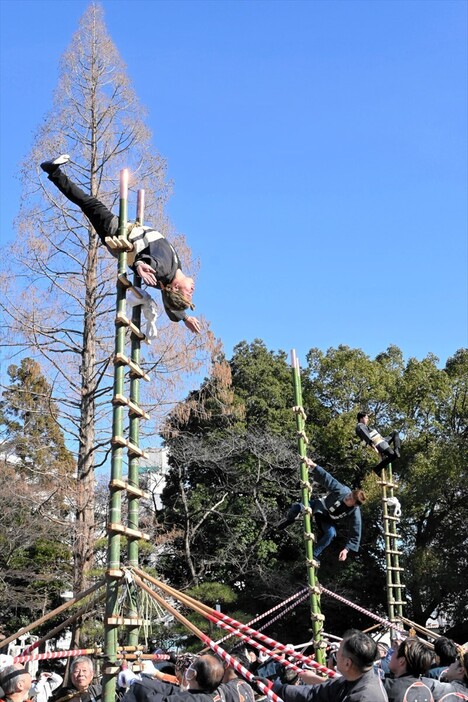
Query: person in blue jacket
x=340 y=505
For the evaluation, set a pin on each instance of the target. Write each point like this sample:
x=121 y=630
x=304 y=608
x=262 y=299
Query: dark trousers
x=327 y=533
x=102 y=219
x=389 y=455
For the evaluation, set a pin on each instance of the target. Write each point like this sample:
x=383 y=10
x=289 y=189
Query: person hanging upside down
x=372 y=438
x=341 y=503
x=153 y=258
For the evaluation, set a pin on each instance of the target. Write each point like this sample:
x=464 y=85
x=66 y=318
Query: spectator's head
x=355 y=498
x=459 y=669
x=241 y=654
x=412 y=657
x=382 y=650
x=445 y=650
x=205 y=673
x=182 y=664
x=15 y=682
x=363 y=417
x=82 y=673
x=356 y=654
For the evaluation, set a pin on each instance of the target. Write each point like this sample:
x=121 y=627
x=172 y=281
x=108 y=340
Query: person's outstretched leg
x=394 y=439
x=102 y=219
x=328 y=532
x=293 y=512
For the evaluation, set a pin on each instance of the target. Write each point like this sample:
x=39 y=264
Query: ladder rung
x=132 y=533
x=124 y=281
x=387 y=484
x=396 y=553
x=135 y=369
x=395 y=587
x=128 y=621
x=397 y=602
x=117 y=243
x=131 y=489
x=132 y=449
x=395 y=568
x=122 y=319
x=393 y=519
x=392 y=534
x=114 y=573
x=134 y=409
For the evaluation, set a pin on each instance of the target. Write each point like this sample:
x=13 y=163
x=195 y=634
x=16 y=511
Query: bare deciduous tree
x=58 y=281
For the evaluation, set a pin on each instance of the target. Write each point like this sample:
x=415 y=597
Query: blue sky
x=318 y=152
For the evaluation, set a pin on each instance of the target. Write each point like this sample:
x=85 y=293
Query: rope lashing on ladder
x=302 y=435
x=308 y=536
x=312 y=563
x=298 y=409
x=385 y=622
x=315 y=589
x=305 y=484
x=302 y=594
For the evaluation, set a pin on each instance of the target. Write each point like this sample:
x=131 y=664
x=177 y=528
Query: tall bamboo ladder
x=125 y=364
x=316 y=616
x=395 y=601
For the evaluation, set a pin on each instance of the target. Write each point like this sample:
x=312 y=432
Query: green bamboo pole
x=134 y=461
x=115 y=504
x=315 y=613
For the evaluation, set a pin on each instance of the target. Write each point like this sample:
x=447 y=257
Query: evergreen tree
x=36 y=499
x=235 y=469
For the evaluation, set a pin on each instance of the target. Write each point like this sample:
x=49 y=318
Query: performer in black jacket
x=153 y=257
x=378 y=443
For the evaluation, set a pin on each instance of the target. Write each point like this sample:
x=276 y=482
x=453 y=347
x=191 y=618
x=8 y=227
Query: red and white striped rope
x=230 y=660
x=301 y=593
x=303 y=597
x=24 y=658
x=272 y=654
x=243 y=628
x=385 y=622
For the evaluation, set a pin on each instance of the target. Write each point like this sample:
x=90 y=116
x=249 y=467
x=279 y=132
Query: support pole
x=113 y=573
x=315 y=612
x=134 y=434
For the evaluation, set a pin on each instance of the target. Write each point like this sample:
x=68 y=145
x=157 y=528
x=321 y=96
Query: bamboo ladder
x=395 y=601
x=119 y=485
x=316 y=616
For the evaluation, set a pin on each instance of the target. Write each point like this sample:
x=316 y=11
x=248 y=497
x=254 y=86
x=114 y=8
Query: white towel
x=149 y=309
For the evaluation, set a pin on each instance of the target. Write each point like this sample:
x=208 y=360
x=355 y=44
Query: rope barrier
x=54 y=654
x=302 y=594
x=218 y=617
x=385 y=622
x=272 y=654
x=230 y=660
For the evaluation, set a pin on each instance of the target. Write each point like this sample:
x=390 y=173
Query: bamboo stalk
x=315 y=610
